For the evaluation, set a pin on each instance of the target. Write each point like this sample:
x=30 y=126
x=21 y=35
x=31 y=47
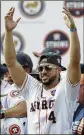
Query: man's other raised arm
x=73 y=70
x=16 y=71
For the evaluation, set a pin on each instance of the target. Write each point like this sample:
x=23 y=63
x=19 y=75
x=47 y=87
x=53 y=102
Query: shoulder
x=31 y=82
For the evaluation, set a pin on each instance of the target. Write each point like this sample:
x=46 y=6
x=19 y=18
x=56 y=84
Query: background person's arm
x=17 y=72
x=73 y=70
x=18 y=111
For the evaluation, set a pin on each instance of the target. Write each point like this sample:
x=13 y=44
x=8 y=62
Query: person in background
x=4 y=84
x=3 y=70
x=6 y=73
x=78 y=119
x=7 y=100
x=46 y=50
x=27 y=64
x=25 y=61
x=7 y=77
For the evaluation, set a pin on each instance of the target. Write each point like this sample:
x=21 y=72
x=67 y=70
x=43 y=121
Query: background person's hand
x=10 y=24
x=68 y=18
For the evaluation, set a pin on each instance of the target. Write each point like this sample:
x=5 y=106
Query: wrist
x=72 y=26
x=2 y=114
x=73 y=29
x=8 y=31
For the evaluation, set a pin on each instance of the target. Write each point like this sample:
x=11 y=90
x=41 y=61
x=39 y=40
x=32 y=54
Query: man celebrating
x=50 y=104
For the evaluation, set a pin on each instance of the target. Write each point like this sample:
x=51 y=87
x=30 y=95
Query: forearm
x=74 y=48
x=18 y=111
x=9 y=50
x=74 y=65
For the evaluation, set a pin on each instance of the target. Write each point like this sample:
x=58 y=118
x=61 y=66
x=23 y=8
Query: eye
x=40 y=68
x=48 y=68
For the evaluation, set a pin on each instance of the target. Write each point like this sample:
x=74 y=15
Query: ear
x=59 y=69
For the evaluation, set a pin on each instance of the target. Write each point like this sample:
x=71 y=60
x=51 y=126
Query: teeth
x=44 y=77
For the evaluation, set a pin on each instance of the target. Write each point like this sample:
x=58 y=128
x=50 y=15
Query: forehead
x=47 y=64
x=44 y=60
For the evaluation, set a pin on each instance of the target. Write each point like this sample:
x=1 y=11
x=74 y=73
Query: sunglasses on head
x=47 y=68
x=51 y=54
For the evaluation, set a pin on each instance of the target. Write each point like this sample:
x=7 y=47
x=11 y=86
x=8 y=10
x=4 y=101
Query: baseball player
x=51 y=102
x=10 y=97
x=8 y=100
x=11 y=125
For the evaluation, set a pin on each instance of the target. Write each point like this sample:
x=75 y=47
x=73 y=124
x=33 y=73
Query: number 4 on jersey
x=52 y=117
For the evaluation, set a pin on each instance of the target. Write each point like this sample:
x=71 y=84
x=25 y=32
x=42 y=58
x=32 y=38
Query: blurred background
x=42 y=25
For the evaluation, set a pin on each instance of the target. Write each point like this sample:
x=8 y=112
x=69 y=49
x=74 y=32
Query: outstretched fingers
x=67 y=12
x=10 y=13
x=65 y=8
x=10 y=8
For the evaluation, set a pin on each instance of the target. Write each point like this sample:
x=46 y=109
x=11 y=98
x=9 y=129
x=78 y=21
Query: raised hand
x=68 y=18
x=10 y=24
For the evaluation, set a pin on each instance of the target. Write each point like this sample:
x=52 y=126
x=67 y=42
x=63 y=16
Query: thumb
x=18 y=20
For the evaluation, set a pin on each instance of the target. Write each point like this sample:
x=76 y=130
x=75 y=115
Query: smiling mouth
x=44 y=77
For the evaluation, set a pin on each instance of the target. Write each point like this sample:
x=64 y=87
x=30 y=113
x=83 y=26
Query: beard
x=49 y=81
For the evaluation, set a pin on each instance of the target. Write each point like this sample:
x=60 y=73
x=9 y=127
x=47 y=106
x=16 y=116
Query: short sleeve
x=30 y=85
x=13 y=100
x=71 y=90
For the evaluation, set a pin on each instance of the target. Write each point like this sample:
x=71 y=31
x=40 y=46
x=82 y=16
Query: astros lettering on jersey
x=49 y=111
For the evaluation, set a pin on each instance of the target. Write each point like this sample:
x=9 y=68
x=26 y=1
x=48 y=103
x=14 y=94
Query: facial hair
x=50 y=81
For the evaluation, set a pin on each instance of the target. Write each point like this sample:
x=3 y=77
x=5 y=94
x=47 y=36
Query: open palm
x=68 y=18
x=9 y=23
